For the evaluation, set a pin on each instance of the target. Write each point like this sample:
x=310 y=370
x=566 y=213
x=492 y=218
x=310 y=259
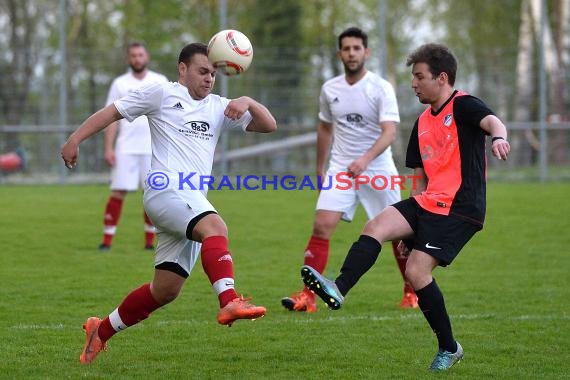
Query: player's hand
x=237 y=107
x=358 y=166
x=110 y=158
x=501 y=149
x=69 y=153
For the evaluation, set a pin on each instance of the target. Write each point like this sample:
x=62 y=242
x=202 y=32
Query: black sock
x=432 y=305
x=361 y=256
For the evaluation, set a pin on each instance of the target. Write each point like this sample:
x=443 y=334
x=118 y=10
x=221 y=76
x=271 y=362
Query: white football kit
x=184 y=134
x=132 y=147
x=356 y=111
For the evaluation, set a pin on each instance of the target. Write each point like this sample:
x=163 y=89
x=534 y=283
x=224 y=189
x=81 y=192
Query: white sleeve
x=144 y=101
x=388 y=104
x=242 y=122
x=114 y=93
x=324 y=108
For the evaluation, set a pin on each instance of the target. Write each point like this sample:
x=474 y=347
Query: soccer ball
x=230 y=52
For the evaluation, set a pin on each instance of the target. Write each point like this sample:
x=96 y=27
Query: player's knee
x=374 y=229
x=210 y=225
x=417 y=275
x=322 y=230
x=410 y=273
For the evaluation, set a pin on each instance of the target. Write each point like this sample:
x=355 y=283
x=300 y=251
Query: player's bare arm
x=263 y=121
x=495 y=127
x=420 y=181
x=324 y=142
x=387 y=137
x=109 y=141
x=95 y=123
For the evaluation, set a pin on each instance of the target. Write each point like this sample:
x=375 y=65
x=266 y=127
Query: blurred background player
x=186 y=121
x=127 y=145
x=358 y=116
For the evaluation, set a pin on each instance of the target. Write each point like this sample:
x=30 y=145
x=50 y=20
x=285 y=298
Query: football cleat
x=444 y=359
x=239 y=308
x=93 y=344
x=410 y=300
x=104 y=247
x=300 y=301
x=323 y=287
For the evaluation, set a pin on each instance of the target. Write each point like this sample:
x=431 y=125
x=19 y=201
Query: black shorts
x=440 y=236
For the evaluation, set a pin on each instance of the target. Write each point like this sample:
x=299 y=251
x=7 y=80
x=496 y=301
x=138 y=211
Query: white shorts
x=130 y=171
x=343 y=196
x=171 y=211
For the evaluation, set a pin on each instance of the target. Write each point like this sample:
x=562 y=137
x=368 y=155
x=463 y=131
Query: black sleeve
x=413 y=156
x=469 y=111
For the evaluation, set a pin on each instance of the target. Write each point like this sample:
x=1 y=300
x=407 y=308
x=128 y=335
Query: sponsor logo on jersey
x=198 y=126
x=354 y=118
x=427 y=152
x=178 y=106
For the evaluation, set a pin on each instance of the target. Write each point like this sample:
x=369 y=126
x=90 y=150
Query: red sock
x=401 y=260
x=218 y=265
x=111 y=219
x=316 y=256
x=136 y=307
x=317 y=253
x=149 y=230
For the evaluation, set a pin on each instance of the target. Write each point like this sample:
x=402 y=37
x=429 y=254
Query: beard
x=356 y=70
x=139 y=68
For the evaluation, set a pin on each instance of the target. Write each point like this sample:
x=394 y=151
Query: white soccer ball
x=230 y=51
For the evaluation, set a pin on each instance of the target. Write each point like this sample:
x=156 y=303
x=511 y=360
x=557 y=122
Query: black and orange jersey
x=450 y=146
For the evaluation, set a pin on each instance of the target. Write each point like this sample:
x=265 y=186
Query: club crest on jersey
x=447 y=120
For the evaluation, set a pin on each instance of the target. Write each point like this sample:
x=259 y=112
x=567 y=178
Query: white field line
x=342 y=319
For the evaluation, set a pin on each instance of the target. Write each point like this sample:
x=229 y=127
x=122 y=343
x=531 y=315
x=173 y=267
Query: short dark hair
x=191 y=50
x=135 y=44
x=353 y=32
x=439 y=59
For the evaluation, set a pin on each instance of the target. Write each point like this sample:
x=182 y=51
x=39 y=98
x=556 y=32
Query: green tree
x=20 y=22
x=278 y=66
x=483 y=34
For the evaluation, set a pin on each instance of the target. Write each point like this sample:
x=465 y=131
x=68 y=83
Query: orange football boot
x=304 y=300
x=239 y=308
x=93 y=344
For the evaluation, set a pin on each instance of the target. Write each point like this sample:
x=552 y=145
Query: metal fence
x=291 y=150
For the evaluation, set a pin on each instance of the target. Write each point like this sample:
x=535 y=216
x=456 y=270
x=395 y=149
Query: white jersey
x=356 y=112
x=133 y=137
x=184 y=131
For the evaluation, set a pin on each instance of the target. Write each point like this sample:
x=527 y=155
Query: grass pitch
x=507 y=294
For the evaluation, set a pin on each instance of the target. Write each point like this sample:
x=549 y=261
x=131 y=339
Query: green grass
x=507 y=294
